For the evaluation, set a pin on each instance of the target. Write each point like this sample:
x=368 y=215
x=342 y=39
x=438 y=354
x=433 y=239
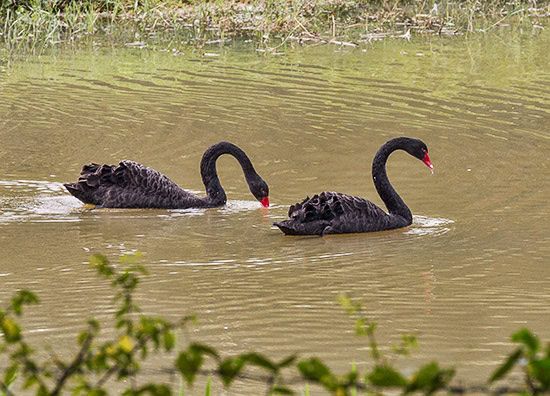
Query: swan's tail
x=293 y=227
x=81 y=191
x=91 y=177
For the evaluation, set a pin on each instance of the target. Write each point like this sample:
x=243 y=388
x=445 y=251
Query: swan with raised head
x=133 y=185
x=337 y=213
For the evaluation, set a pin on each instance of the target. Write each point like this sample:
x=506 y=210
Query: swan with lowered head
x=133 y=185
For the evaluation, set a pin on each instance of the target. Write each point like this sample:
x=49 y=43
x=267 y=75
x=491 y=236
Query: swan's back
x=336 y=213
x=129 y=185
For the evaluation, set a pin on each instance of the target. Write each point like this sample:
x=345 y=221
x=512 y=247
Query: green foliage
x=386 y=377
x=230 y=368
x=315 y=370
x=363 y=326
x=408 y=342
x=190 y=361
x=429 y=379
x=537 y=359
x=138 y=335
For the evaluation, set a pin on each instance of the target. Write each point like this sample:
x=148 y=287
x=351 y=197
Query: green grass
x=32 y=24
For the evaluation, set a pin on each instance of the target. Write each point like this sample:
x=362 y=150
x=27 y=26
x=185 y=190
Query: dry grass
x=36 y=23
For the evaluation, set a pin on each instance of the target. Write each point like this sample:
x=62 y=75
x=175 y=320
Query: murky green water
x=472 y=268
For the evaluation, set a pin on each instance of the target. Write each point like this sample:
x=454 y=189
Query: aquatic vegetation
x=36 y=23
x=98 y=363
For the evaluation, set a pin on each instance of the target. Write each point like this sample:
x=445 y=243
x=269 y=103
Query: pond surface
x=472 y=269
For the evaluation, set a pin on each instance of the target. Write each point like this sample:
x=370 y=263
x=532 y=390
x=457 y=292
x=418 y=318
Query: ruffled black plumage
x=129 y=185
x=133 y=185
x=337 y=213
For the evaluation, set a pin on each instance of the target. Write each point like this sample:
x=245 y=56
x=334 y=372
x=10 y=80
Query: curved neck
x=393 y=201
x=214 y=190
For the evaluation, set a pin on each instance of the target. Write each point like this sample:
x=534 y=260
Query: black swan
x=132 y=185
x=337 y=213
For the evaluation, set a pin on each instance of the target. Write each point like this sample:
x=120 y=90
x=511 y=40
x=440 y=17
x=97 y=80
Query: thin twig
x=138 y=347
x=74 y=365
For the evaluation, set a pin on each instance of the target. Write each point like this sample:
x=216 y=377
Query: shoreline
x=269 y=24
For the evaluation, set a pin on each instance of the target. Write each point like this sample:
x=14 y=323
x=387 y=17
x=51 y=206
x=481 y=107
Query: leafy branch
x=534 y=358
x=95 y=365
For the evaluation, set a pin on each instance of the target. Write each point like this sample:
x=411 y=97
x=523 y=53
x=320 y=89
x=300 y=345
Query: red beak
x=265 y=202
x=427 y=161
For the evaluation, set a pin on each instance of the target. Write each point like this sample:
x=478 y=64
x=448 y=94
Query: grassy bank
x=38 y=23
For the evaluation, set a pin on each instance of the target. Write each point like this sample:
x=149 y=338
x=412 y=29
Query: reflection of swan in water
x=132 y=185
x=337 y=213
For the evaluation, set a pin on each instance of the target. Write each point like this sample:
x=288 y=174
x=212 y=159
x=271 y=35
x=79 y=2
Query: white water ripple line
x=39 y=185
x=423 y=225
x=45 y=204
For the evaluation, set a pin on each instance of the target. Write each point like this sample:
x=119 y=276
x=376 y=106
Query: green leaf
x=102 y=266
x=386 y=376
x=190 y=360
x=188 y=364
x=151 y=389
x=169 y=340
x=407 y=343
x=286 y=362
x=528 y=339
x=82 y=337
x=11 y=330
x=29 y=381
x=348 y=304
x=506 y=366
x=229 y=368
x=204 y=350
x=541 y=371
x=361 y=327
x=430 y=378
x=315 y=370
x=11 y=374
x=260 y=361
x=42 y=391
x=281 y=390
x=23 y=297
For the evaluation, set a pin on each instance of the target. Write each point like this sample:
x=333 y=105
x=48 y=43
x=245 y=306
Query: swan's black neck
x=393 y=201
x=214 y=190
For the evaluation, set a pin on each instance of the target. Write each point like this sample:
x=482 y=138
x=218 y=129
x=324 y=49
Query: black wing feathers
x=128 y=184
x=333 y=212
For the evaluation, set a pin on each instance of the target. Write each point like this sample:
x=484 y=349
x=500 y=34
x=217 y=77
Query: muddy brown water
x=472 y=269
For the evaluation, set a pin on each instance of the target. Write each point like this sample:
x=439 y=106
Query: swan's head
x=417 y=148
x=260 y=190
